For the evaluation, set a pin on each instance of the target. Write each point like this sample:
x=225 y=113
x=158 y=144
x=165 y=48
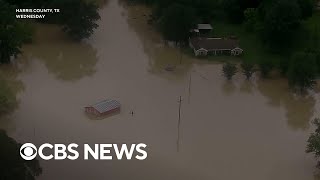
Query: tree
x=78 y=17
x=229 y=70
x=247 y=69
x=12 y=166
x=265 y=67
x=302 y=71
x=306 y=7
x=313 y=143
x=281 y=20
x=7 y=98
x=12 y=33
x=251 y=19
x=176 y=22
x=204 y=9
x=233 y=10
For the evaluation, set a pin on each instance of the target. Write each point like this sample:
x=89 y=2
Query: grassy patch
x=254 y=51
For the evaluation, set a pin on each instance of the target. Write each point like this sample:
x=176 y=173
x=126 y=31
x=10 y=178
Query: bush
x=313 y=143
x=247 y=69
x=229 y=70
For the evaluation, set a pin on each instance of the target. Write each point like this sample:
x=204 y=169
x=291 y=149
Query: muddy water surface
x=229 y=130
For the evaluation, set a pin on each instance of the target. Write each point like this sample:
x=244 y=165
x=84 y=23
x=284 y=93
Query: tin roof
x=106 y=105
x=213 y=43
x=204 y=26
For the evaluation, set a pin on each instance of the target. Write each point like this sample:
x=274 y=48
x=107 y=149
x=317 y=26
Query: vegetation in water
x=265 y=68
x=302 y=71
x=229 y=70
x=313 y=143
x=12 y=166
x=247 y=69
x=7 y=99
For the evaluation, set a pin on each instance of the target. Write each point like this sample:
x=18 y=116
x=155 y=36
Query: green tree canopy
x=12 y=166
x=313 y=143
x=281 y=20
x=12 y=33
x=176 y=22
x=77 y=17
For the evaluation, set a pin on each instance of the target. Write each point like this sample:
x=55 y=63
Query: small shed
x=202 y=29
x=102 y=108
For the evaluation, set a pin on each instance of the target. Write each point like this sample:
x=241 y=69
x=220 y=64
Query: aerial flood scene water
x=195 y=123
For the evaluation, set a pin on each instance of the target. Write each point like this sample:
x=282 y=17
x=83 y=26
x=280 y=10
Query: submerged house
x=215 y=46
x=102 y=108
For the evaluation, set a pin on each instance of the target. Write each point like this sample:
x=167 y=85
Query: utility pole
x=179 y=121
x=180 y=53
x=189 y=87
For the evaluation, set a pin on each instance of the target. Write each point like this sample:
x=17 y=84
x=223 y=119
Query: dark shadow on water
x=66 y=59
x=99 y=118
x=247 y=87
x=9 y=76
x=229 y=88
x=299 y=109
x=160 y=54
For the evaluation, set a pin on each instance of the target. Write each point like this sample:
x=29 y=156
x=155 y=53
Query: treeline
x=78 y=18
x=175 y=18
x=275 y=19
x=301 y=72
x=278 y=24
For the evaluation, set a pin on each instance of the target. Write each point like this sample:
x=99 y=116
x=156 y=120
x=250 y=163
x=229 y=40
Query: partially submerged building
x=102 y=108
x=202 y=29
x=215 y=46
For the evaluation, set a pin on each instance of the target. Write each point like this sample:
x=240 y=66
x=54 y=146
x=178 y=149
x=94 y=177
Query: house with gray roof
x=215 y=46
x=104 y=107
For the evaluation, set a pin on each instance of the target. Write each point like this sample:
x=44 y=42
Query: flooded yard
x=228 y=130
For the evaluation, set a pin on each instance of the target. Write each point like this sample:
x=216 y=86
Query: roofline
x=217 y=49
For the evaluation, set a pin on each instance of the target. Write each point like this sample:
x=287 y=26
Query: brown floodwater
x=228 y=130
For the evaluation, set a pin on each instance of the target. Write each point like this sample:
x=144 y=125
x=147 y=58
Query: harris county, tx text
x=37 y=10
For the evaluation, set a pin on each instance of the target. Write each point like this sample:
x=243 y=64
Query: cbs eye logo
x=28 y=151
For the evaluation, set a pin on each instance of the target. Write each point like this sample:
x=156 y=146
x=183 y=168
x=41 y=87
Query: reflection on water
x=228 y=130
x=247 y=87
x=66 y=59
x=229 y=88
x=9 y=74
x=160 y=53
x=299 y=110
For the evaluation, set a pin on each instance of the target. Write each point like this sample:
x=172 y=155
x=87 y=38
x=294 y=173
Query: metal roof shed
x=104 y=107
x=204 y=27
